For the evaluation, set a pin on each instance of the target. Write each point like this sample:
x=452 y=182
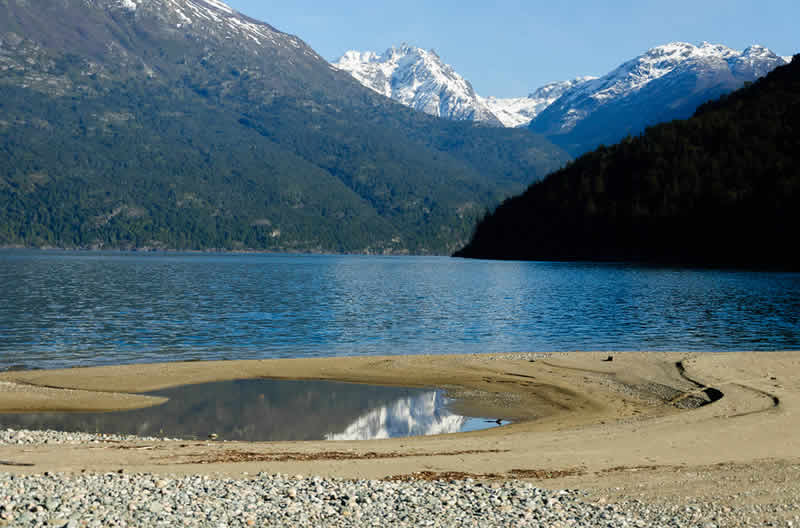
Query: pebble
x=201 y=501
x=24 y=437
x=140 y=499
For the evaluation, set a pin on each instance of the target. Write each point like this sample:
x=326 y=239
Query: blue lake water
x=60 y=309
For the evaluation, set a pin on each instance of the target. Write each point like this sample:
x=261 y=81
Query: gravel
x=89 y=500
x=276 y=500
x=116 y=500
x=26 y=437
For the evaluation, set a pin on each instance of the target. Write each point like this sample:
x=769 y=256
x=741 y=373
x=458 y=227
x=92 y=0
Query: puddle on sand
x=272 y=410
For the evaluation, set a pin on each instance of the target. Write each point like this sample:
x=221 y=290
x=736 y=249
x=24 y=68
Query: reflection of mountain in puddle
x=422 y=415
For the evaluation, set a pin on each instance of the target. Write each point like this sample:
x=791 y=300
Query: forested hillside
x=721 y=188
x=183 y=124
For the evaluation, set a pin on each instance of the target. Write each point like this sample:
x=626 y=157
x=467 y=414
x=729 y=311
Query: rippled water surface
x=65 y=309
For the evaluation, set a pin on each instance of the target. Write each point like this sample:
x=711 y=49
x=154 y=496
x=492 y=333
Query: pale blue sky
x=508 y=48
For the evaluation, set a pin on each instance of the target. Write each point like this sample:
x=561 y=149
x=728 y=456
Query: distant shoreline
x=150 y=250
x=654 y=263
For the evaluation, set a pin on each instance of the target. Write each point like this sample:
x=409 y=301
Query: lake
x=64 y=309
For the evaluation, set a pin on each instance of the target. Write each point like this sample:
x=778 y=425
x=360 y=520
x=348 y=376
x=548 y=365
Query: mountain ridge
x=421 y=80
x=665 y=82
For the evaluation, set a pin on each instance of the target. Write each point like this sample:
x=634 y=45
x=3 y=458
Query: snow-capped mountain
x=667 y=82
x=419 y=79
x=520 y=111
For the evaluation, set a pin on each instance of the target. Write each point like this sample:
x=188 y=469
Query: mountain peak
x=665 y=82
x=419 y=79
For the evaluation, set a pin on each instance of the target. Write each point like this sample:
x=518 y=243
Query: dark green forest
x=721 y=189
x=118 y=131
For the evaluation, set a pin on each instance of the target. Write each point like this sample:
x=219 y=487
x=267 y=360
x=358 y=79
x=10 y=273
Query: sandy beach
x=715 y=427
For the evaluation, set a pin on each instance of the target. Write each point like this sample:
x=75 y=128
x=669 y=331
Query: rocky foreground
x=121 y=499
x=618 y=430
x=276 y=500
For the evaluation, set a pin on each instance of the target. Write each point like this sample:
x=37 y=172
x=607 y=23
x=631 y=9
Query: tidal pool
x=272 y=410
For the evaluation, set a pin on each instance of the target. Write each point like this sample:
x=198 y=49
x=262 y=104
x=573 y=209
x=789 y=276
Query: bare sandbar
x=656 y=425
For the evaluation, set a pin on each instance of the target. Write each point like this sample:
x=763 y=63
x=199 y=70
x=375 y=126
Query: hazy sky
x=508 y=48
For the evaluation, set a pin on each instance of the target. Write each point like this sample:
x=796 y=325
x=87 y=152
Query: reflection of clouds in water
x=413 y=416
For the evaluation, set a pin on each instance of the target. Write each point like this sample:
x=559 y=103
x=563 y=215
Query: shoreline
x=212 y=251
x=640 y=426
x=680 y=264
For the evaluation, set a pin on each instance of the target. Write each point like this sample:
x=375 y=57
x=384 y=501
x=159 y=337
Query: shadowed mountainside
x=720 y=188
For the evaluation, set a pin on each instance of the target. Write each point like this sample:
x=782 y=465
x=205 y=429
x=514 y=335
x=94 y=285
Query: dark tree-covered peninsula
x=720 y=189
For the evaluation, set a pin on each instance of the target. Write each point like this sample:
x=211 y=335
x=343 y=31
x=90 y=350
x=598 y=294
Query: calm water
x=66 y=309
x=272 y=410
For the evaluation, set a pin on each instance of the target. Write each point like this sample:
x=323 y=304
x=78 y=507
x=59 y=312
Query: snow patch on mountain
x=513 y=111
x=215 y=20
x=419 y=79
x=520 y=111
x=220 y=5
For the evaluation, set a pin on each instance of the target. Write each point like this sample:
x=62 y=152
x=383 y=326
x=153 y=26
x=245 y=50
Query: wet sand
x=661 y=426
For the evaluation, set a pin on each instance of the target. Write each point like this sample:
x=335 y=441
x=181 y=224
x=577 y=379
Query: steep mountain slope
x=184 y=124
x=520 y=111
x=420 y=80
x=667 y=82
x=722 y=188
